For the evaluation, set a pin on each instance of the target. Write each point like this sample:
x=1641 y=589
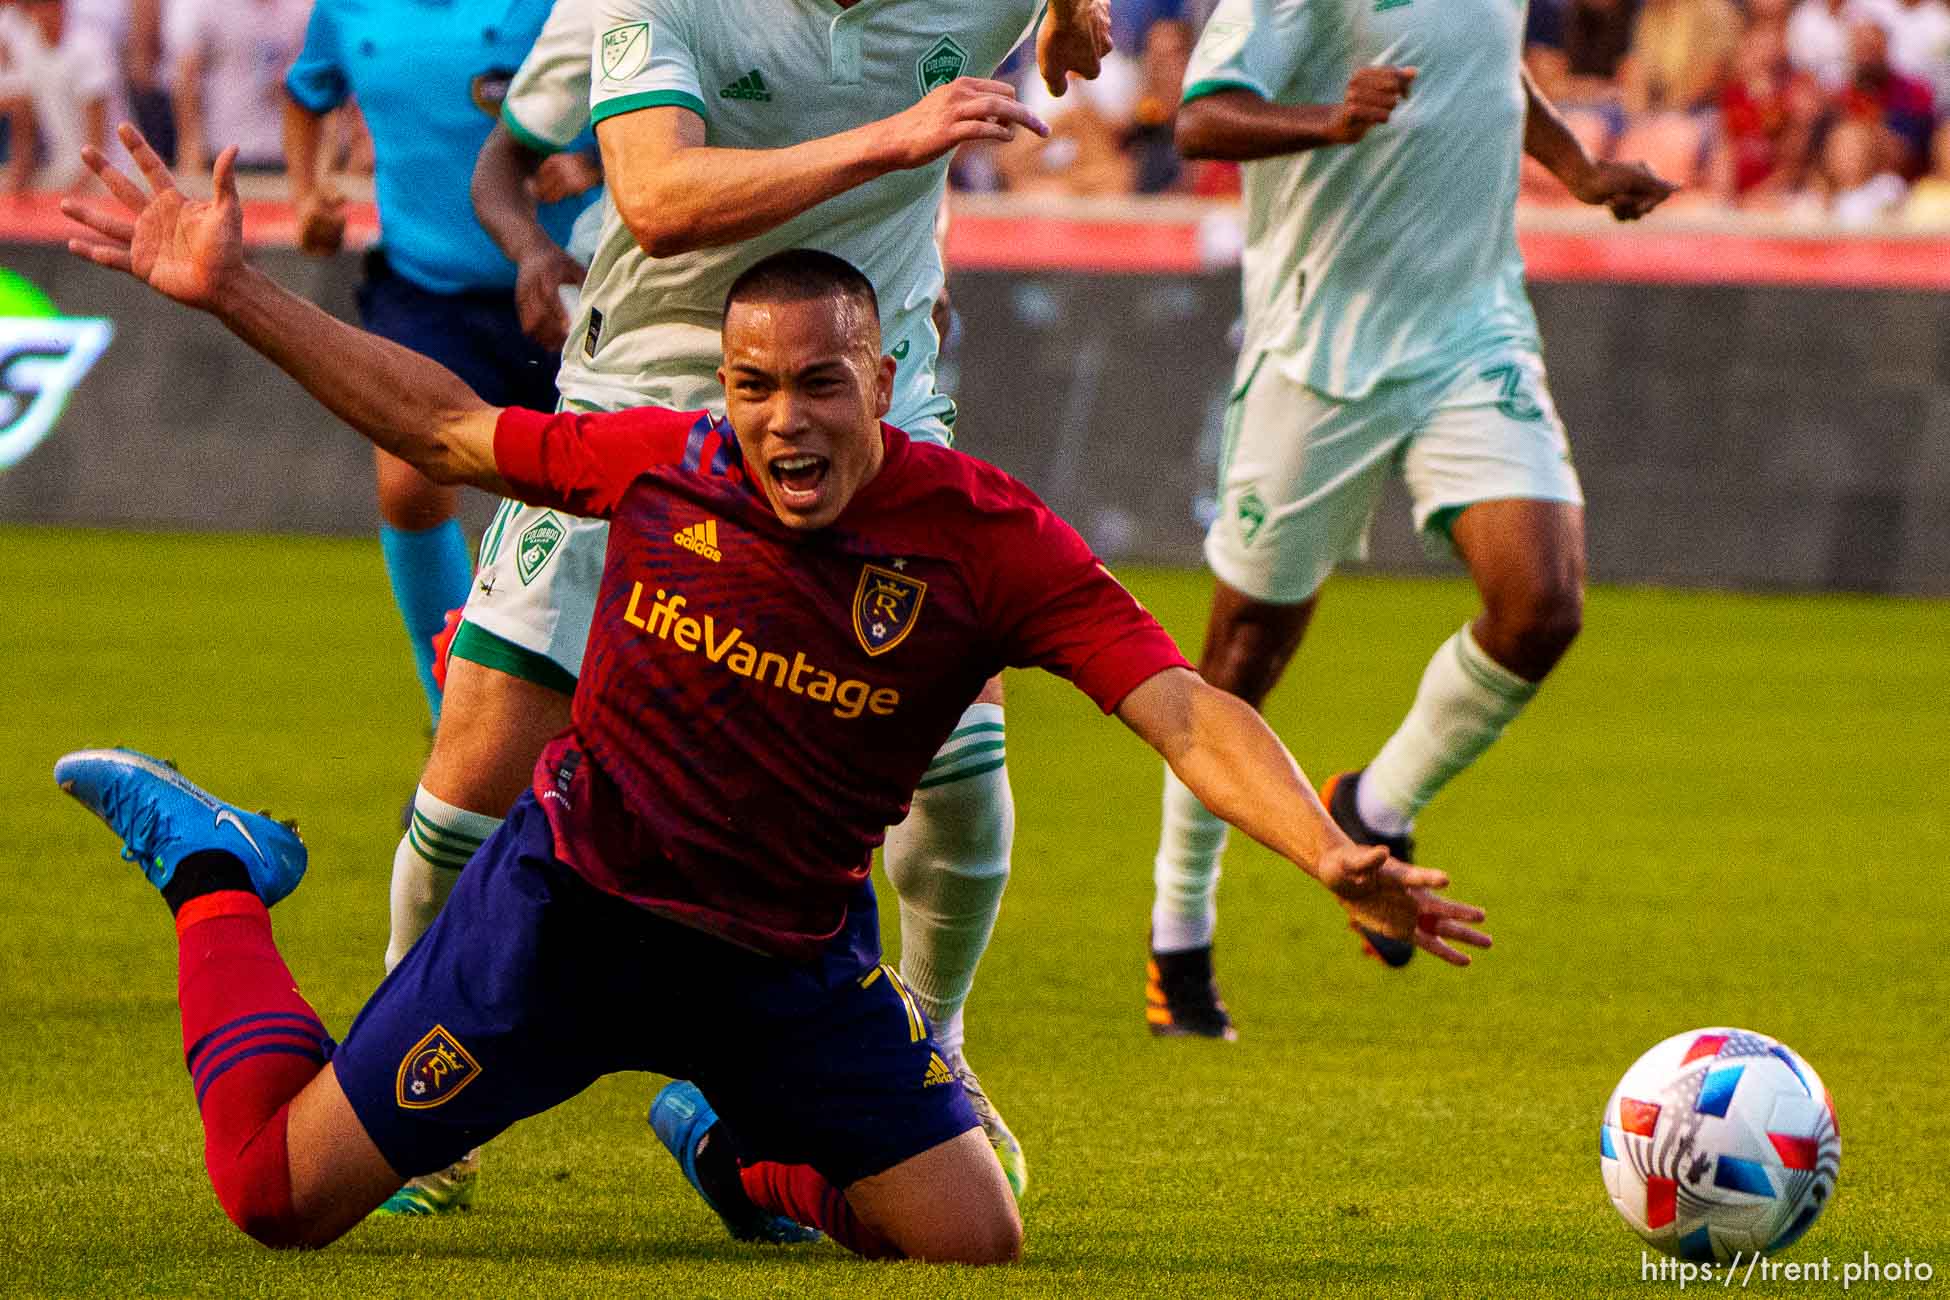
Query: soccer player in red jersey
x=795 y=610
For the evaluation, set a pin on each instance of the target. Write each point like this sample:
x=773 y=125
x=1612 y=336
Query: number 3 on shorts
x=1513 y=401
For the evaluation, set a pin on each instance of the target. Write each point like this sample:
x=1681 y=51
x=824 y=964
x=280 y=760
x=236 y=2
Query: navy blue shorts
x=476 y=334
x=532 y=984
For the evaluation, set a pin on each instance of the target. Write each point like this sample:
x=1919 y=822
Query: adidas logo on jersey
x=938 y=1072
x=750 y=86
x=701 y=538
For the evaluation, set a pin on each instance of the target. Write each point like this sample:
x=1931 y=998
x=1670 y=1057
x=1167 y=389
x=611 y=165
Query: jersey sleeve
x=1053 y=605
x=1253 y=45
x=547 y=106
x=317 y=80
x=643 y=55
x=584 y=463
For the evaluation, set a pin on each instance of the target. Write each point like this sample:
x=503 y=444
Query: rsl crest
x=433 y=1070
x=885 y=607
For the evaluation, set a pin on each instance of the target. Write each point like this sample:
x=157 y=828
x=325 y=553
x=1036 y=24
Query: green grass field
x=1725 y=809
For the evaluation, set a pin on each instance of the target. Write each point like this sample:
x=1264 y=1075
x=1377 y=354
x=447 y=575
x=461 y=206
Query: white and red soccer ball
x=1720 y=1143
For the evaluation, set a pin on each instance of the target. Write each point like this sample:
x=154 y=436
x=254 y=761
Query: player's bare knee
x=265 y=1213
x=993 y=1239
x=1249 y=642
x=1529 y=631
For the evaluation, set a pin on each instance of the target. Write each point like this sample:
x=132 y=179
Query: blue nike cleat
x=681 y=1119
x=163 y=818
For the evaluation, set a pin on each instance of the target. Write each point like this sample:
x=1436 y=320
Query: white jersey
x=765 y=75
x=1385 y=259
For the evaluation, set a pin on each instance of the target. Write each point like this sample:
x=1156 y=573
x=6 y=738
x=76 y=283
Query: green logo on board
x=900 y=351
x=537 y=544
x=43 y=356
x=1383 y=6
x=1252 y=515
x=944 y=61
x=750 y=86
x=625 y=50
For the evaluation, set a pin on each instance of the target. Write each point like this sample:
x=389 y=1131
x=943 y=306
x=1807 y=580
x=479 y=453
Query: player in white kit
x=730 y=131
x=1387 y=331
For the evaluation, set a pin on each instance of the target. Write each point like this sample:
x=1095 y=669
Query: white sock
x=1465 y=701
x=427 y=863
x=948 y=863
x=1184 y=910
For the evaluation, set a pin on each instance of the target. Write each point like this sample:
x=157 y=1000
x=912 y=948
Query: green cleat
x=1008 y=1151
x=444 y=1191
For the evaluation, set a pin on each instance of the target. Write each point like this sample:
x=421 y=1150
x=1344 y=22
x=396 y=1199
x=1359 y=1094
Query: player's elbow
x=660 y=223
x=1196 y=131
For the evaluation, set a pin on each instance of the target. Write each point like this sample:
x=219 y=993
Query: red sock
x=251 y=1043
x=802 y=1194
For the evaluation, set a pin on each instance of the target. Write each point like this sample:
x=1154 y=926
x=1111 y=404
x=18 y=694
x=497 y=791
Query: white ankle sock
x=1184 y=910
x=1465 y=700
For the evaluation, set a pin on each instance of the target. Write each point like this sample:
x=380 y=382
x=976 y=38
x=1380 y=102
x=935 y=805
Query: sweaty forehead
x=793 y=333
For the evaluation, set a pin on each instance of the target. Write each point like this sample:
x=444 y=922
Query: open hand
x=1076 y=43
x=1396 y=899
x=967 y=108
x=1372 y=95
x=185 y=248
x=1629 y=189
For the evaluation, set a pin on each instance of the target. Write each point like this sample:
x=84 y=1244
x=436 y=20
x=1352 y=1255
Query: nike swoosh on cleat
x=226 y=815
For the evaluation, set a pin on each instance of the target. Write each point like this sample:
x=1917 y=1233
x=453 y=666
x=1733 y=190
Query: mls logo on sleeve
x=885 y=605
x=434 y=1070
x=626 y=50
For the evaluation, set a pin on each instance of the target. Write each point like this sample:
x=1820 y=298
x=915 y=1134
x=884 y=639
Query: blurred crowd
x=1834 y=108
x=1828 y=109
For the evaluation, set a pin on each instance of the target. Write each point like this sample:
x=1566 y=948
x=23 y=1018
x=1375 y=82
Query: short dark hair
x=799 y=274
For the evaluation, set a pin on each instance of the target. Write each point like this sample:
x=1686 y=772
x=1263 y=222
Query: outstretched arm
x=193 y=251
x=1232 y=761
x=677 y=194
x=1239 y=125
x=1630 y=190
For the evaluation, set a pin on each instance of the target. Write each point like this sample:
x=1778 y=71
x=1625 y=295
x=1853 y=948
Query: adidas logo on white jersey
x=701 y=538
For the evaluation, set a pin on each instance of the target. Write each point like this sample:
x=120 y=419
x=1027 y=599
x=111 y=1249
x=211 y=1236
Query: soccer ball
x=1720 y=1143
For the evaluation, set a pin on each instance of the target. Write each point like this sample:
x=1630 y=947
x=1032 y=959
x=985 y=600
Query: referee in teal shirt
x=429 y=76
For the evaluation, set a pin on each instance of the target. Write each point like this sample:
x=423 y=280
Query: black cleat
x=1339 y=796
x=1181 y=999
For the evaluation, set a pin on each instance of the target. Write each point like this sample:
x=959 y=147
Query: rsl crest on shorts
x=885 y=607
x=433 y=1071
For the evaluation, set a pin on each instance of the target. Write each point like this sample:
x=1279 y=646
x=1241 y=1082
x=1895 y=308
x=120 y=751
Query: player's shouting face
x=805 y=389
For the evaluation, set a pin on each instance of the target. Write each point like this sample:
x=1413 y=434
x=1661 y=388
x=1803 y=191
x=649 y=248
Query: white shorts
x=1301 y=472
x=535 y=588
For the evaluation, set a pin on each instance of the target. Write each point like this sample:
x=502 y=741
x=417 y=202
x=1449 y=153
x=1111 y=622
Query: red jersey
x=757 y=703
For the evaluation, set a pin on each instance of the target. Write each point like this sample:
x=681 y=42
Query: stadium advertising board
x=1747 y=435
x=43 y=356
